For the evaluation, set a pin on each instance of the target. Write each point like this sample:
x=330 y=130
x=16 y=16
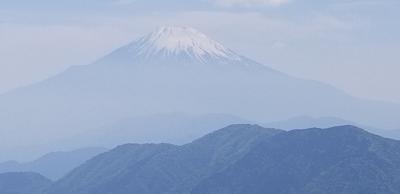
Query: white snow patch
x=183 y=40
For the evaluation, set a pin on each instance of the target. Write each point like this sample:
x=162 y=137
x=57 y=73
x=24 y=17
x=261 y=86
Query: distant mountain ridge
x=238 y=159
x=174 y=69
x=343 y=159
x=23 y=183
x=53 y=165
x=178 y=128
x=304 y=122
x=243 y=159
x=166 y=169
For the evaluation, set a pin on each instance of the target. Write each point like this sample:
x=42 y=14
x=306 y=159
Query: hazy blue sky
x=352 y=44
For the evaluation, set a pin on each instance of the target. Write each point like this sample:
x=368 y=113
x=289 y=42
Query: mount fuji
x=177 y=46
x=172 y=70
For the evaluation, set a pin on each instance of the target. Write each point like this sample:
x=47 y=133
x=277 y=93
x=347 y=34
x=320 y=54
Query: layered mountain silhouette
x=334 y=160
x=236 y=159
x=174 y=69
x=246 y=159
x=303 y=122
x=179 y=128
x=53 y=165
x=23 y=183
x=161 y=168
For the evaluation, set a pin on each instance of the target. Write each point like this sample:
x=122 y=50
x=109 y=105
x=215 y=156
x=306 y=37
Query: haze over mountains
x=23 y=183
x=237 y=159
x=343 y=159
x=178 y=128
x=53 y=165
x=174 y=69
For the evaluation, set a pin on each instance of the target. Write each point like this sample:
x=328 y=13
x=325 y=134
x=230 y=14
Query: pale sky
x=351 y=44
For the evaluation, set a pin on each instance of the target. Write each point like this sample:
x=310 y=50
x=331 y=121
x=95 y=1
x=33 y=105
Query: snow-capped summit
x=177 y=45
x=182 y=41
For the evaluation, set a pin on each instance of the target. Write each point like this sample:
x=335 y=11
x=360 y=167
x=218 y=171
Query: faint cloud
x=229 y=3
x=279 y=45
x=123 y=2
x=358 y=3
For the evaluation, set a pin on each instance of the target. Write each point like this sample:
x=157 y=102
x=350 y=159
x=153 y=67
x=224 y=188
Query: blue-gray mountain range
x=53 y=165
x=238 y=159
x=174 y=69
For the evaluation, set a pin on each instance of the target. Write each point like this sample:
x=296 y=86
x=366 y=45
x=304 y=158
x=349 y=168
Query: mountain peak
x=179 y=46
x=182 y=42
